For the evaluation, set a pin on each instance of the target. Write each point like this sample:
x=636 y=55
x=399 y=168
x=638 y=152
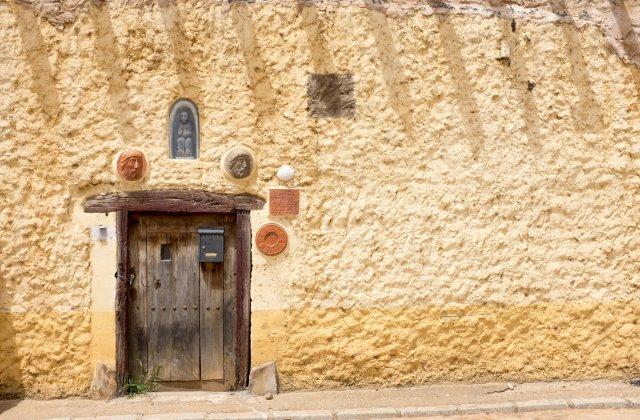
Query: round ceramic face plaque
x=271 y=239
x=131 y=165
x=238 y=163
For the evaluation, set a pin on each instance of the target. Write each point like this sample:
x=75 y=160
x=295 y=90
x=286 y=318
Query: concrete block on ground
x=444 y=410
x=506 y=407
x=367 y=413
x=302 y=414
x=103 y=385
x=263 y=379
x=597 y=402
x=541 y=405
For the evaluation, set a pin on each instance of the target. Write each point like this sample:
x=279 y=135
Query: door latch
x=132 y=275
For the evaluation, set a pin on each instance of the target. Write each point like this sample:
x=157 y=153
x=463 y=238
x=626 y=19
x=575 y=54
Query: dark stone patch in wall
x=331 y=96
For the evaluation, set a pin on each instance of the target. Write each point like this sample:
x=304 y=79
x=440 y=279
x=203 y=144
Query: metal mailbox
x=211 y=244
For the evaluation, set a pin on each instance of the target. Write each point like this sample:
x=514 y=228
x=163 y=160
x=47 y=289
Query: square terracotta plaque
x=284 y=202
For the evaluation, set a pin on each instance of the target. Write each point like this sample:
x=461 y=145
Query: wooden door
x=177 y=305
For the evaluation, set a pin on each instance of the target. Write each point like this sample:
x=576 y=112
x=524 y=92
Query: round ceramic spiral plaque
x=271 y=239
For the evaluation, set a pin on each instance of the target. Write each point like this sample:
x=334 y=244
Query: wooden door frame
x=181 y=201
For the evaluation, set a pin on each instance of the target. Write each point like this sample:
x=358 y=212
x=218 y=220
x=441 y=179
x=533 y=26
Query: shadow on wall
x=190 y=84
x=37 y=57
x=264 y=98
x=321 y=56
x=393 y=71
x=630 y=40
x=517 y=66
x=625 y=29
x=588 y=115
x=451 y=46
x=109 y=62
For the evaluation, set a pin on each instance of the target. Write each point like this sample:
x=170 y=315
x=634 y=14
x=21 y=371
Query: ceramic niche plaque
x=238 y=163
x=131 y=165
x=271 y=239
x=184 y=130
x=284 y=202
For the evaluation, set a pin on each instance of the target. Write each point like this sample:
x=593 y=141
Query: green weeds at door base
x=138 y=385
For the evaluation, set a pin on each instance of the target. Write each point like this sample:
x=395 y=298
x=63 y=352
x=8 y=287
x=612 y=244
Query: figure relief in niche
x=183 y=130
x=185 y=143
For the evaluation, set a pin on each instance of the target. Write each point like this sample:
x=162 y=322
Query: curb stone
x=302 y=414
x=116 y=417
x=389 y=412
x=123 y=417
x=541 y=405
x=633 y=402
x=177 y=416
x=368 y=413
x=585 y=403
x=507 y=407
x=445 y=410
x=257 y=415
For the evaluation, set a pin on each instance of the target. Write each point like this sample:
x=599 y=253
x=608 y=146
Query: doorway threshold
x=179 y=386
x=210 y=397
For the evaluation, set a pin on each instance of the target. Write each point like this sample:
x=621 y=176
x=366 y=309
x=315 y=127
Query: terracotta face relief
x=132 y=165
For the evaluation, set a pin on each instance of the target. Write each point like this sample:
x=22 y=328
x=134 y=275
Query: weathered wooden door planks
x=185 y=331
x=178 y=321
x=138 y=325
x=211 y=320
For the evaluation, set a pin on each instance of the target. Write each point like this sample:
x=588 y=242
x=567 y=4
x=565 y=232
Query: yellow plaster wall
x=103 y=260
x=335 y=347
x=465 y=225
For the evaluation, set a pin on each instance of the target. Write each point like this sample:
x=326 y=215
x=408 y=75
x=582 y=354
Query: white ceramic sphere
x=285 y=173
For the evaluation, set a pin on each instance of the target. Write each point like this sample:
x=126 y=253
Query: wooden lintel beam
x=179 y=201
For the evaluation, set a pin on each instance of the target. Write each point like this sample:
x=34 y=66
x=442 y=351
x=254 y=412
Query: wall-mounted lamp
x=285 y=173
x=102 y=232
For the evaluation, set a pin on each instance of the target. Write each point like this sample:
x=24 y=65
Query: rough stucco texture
x=476 y=219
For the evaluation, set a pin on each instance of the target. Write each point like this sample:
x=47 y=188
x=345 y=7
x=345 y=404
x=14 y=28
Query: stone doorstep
x=390 y=412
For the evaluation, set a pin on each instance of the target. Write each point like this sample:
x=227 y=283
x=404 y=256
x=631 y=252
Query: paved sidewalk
x=588 y=399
